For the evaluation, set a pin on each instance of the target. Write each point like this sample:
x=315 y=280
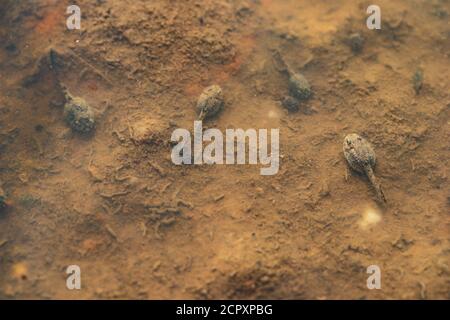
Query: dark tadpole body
x=77 y=113
x=299 y=86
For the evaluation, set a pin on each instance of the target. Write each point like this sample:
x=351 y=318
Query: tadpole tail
x=53 y=56
x=52 y=60
x=53 y=64
x=375 y=184
x=280 y=64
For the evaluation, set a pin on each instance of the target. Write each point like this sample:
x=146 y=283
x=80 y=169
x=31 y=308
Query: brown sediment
x=141 y=227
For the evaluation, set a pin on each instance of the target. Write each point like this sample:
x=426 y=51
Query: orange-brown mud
x=141 y=227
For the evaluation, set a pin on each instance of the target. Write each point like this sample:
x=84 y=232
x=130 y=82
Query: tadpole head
x=349 y=143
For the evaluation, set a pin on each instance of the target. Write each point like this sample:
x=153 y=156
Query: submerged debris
x=361 y=158
x=417 y=80
x=356 y=42
x=210 y=102
x=163 y=217
x=78 y=114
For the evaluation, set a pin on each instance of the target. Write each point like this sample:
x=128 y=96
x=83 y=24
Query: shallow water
x=138 y=226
